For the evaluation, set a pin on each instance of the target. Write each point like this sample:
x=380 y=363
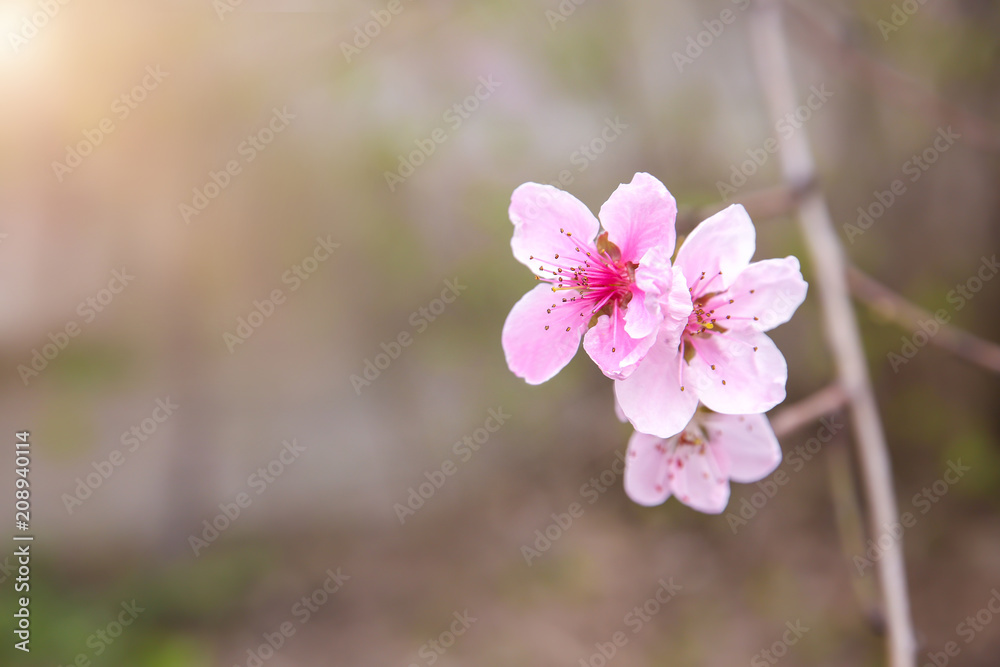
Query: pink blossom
x=616 y=289
x=696 y=464
x=722 y=357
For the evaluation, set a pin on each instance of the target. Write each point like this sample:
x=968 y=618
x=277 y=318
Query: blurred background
x=254 y=263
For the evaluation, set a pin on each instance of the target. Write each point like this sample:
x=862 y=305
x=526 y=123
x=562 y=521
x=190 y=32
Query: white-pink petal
x=652 y=397
x=646 y=469
x=640 y=215
x=748 y=442
x=770 y=290
x=537 y=353
x=612 y=349
x=539 y=212
x=724 y=242
x=738 y=372
x=698 y=481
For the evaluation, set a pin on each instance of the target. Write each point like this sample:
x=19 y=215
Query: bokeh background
x=563 y=73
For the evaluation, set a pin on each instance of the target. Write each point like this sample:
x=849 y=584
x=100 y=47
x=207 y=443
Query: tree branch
x=809 y=409
x=841 y=327
x=908 y=315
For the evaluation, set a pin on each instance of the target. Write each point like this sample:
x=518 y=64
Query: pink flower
x=696 y=464
x=722 y=357
x=617 y=290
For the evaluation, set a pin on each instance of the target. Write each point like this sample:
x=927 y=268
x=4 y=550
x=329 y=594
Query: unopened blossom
x=722 y=358
x=616 y=289
x=697 y=464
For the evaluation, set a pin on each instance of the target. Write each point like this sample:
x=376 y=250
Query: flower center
x=601 y=280
x=702 y=318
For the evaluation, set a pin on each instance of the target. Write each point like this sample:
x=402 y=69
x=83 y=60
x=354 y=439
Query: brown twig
x=809 y=409
x=841 y=326
x=895 y=308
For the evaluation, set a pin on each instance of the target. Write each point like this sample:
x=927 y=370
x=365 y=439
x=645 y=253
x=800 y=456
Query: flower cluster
x=682 y=334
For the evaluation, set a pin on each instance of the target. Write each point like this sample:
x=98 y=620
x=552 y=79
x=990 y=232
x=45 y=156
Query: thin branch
x=850 y=526
x=789 y=418
x=841 y=326
x=895 y=308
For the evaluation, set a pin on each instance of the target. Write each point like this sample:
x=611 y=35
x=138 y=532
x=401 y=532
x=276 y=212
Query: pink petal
x=697 y=480
x=724 y=242
x=646 y=469
x=659 y=291
x=770 y=290
x=614 y=351
x=640 y=215
x=677 y=307
x=748 y=442
x=652 y=398
x=754 y=379
x=534 y=352
x=538 y=213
